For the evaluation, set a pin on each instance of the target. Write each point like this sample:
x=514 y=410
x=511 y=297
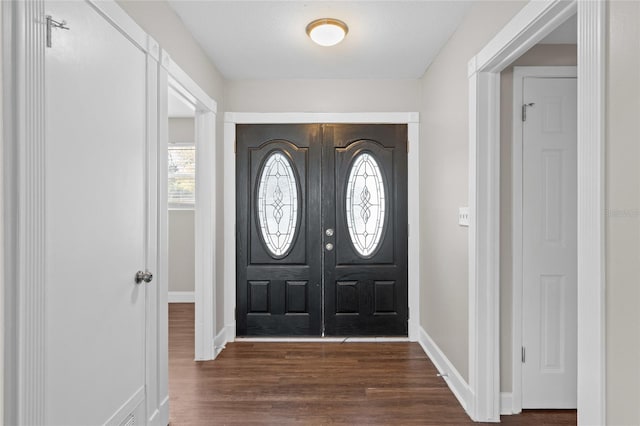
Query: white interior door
x=549 y=205
x=96 y=182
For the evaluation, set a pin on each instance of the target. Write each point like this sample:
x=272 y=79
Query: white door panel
x=549 y=206
x=95 y=176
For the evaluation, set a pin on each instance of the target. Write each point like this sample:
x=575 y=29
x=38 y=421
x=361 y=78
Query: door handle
x=145 y=276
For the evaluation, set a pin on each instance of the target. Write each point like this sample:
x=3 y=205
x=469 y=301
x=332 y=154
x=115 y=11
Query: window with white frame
x=182 y=175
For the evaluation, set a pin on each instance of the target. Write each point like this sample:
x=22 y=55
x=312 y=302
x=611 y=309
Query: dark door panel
x=365 y=275
x=278 y=233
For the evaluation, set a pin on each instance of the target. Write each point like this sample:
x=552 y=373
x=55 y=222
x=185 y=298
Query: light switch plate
x=463 y=216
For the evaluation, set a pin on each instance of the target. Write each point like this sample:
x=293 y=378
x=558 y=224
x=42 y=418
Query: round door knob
x=145 y=276
x=329 y=246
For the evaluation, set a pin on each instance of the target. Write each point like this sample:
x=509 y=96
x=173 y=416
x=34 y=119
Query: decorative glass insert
x=277 y=204
x=365 y=204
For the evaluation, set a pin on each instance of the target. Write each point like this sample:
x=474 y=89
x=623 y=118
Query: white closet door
x=96 y=219
x=549 y=298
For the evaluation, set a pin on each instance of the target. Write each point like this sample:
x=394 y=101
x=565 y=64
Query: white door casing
x=528 y=27
x=233 y=118
x=549 y=242
x=174 y=77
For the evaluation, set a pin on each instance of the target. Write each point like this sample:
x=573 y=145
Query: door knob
x=145 y=276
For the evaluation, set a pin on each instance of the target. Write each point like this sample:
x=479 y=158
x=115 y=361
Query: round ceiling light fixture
x=327 y=31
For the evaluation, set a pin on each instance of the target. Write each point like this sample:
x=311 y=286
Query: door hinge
x=52 y=23
x=523 y=355
x=524 y=110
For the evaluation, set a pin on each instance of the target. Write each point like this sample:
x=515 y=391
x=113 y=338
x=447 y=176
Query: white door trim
x=157 y=410
x=24 y=199
x=519 y=73
x=233 y=118
x=205 y=211
x=529 y=26
x=9 y=172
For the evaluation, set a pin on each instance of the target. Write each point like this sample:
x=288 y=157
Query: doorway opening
x=181 y=168
x=532 y=24
x=187 y=200
x=538 y=207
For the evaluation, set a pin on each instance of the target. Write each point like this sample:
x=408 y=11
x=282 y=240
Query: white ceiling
x=267 y=40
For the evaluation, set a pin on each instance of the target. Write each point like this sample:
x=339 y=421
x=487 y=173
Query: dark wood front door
x=321 y=230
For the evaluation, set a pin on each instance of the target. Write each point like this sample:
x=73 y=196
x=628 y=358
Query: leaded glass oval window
x=277 y=203
x=365 y=204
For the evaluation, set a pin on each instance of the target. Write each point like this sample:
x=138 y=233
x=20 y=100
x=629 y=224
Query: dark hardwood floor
x=314 y=384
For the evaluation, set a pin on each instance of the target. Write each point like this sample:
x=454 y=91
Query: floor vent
x=129 y=421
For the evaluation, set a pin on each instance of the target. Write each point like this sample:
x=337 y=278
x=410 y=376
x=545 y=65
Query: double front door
x=321 y=230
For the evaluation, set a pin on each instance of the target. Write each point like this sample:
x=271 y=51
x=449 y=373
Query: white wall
x=182 y=130
x=182 y=222
x=160 y=21
x=322 y=95
x=444 y=179
x=623 y=215
x=543 y=54
x=181 y=250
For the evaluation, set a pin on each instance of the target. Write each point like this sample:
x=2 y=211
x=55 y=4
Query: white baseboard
x=451 y=376
x=230 y=330
x=226 y=335
x=414 y=330
x=161 y=416
x=164 y=411
x=219 y=342
x=182 y=297
x=506 y=404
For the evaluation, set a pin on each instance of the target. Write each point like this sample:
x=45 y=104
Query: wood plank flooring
x=314 y=384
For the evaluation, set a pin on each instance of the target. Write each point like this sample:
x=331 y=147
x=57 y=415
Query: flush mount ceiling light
x=327 y=31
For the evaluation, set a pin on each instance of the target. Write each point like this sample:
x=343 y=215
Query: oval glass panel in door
x=365 y=204
x=277 y=202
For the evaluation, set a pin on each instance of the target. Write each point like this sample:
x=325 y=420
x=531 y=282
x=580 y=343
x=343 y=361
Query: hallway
x=313 y=384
